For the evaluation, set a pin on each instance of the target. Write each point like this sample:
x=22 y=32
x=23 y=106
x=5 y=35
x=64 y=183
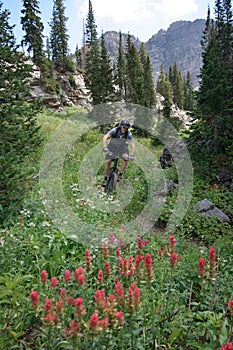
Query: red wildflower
x=60 y=307
x=138 y=260
x=215 y=186
x=100 y=276
x=93 y=321
x=81 y=280
x=67 y=276
x=48 y=306
x=212 y=260
x=228 y=346
x=44 y=276
x=70 y=301
x=80 y=309
x=104 y=323
x=134 y=297
x=63 y=293
x=160 y=252
x=118 y=251
x=148 y=266
x=54 y=282
x=119 y=293
x=107 y=268
x=140 y=243
x=145 y=242
x=50 y=319
x=105 y=250
x=77 y=273
x=120 y=317
x=112 y=237
x=174 y=258
x=230 y=306
x=201 y=267
x=72 y=329
x=165 y=249
x=88 y=259
x=35 y=299
x=172 y=244
x=100 y=298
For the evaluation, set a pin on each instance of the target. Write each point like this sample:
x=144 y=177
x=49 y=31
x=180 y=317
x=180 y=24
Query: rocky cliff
x=180 y=43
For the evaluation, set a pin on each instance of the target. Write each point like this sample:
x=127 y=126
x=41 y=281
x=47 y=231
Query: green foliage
x=20 y=135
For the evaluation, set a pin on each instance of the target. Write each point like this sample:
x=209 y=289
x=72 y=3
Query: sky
x=141 y=18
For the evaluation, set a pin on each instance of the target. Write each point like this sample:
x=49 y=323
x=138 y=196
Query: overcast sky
x=141 y=18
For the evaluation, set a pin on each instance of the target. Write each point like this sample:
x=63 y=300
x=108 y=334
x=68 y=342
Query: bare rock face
x=71 y=92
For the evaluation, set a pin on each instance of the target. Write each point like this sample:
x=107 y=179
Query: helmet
x=125 y=123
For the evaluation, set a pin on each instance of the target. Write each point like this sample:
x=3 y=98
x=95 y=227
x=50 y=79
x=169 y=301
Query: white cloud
x=173 y=9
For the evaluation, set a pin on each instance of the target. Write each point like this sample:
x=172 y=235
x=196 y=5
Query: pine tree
x=58 y=35
x=148 y=90
x=134 y=72
x=33 y=27
x=93 y=76
x=121 y=70
x=188 y=93
x=106 y=71
x=164 y=88
x=18 y=127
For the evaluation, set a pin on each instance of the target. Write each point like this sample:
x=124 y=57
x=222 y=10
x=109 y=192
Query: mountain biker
x=120 y=137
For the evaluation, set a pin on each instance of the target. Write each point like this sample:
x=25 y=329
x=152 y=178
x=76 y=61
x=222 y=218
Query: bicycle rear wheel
x=111 y=185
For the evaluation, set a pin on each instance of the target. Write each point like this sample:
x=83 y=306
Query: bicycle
x=113 y=174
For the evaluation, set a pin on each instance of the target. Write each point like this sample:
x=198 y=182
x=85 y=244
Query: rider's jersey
x=119 y=142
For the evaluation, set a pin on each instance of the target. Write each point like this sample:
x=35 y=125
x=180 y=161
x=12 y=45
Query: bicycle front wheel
x=111 y=185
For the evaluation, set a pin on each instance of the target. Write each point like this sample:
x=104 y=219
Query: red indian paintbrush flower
x=107 y=268
x=100 y=276
x=174 y=259
x=48 y=306
x=119 y=293
x=63 y=293
x=201 y=267
x=67 y=276
x=212 y=261
x=80 y=309
x=93 y=321
x=134 y=297
x=172 y=244
x=88 y=259
x=54 y=282
x=72 y=329
x=148 y=266
x=35 y=299
x=160 y=252
x=120 y=317
x=228 y=346
x=105 y=250
x=230 y=306
x=44 y=276
x=60 y=307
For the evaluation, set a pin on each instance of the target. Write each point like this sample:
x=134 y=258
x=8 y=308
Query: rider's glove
x=106 y=150
x=131 y=157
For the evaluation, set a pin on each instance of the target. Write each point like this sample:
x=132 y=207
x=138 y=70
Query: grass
x=174 y=307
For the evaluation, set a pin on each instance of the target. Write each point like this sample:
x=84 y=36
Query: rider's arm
x=105 y=138
x=132 y=148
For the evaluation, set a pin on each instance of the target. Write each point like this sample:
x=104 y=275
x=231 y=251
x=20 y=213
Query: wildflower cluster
x=107 y=291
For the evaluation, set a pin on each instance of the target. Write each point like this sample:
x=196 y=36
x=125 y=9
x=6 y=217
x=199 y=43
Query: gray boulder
x=208 y=208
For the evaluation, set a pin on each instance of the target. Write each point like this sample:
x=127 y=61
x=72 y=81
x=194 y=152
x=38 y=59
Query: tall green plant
x=18 y=127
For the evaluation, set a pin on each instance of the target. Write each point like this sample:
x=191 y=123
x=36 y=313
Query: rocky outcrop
x=72 y=90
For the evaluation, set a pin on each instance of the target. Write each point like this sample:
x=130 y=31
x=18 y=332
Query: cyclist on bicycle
x=120 y=137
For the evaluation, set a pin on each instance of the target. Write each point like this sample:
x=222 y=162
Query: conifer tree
x=18 y=127
x=58 y=35
x=148 y=90
x=33 y=27
x=134 y=71
x=106 y=71
x=121 y=69
x=165 y=89
x=188 y=93
x=93 y=58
